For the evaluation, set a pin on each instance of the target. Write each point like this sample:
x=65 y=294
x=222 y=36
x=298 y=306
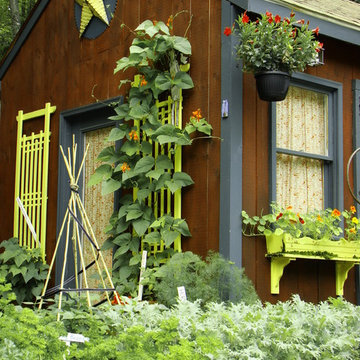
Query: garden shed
x=63 y=58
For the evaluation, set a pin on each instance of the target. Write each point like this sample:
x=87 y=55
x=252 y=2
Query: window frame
x=333 y=162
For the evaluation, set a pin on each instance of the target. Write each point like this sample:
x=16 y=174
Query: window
x=306 y=146
x=90 y=125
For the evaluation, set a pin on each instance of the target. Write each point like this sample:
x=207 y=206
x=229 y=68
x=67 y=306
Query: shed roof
x=342 y=12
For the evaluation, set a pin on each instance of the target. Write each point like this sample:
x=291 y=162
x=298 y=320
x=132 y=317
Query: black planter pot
x=272 y=85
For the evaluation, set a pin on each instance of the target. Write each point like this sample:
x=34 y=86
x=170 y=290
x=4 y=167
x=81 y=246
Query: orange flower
x=277 y=19
x=170 y=21
x=319 y=218
x=353 y=209
x=143 y=81
x=301 y=220
x=279 y=216
x=352 y=230
x=335 y=213
x=289 y=208
x=133 y=135
x=197 y=114
x=316 y=31
x=125 y=167
x=245 y=19
x=115 y=300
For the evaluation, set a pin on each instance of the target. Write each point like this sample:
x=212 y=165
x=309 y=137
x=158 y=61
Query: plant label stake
x=142 y=269
x=182 y=293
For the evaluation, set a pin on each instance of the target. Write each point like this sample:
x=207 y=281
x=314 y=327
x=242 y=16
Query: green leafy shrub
x=22 y=268
x=213 y=280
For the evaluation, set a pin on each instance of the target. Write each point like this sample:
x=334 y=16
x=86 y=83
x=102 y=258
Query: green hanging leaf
x=146 y=148
x=130 y=147
x=182 y=44
x=169 y=237
x=141 y=226
x=154 y=174
x=122 y=239
x=136 y=259
x=116 y=134
x=145 y=164
x=134 y=214
x=163 y=82
x=179 y=180
x=163 y=162
x=109 y=186
x=152 y=238
x=143 y=194
x=182 y=227
x=183 y=80
x=162 y=180
x=103 y=172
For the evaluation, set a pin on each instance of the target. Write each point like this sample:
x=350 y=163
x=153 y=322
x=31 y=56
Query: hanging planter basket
x=272 y=85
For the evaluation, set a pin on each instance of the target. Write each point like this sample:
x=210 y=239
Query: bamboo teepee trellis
x=76 y=216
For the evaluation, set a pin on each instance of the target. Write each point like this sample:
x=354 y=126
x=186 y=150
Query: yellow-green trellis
x=31 y=180
x=76 y=224
x=169 y=112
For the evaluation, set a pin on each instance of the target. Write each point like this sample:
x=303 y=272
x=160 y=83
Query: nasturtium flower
x=289 y=208
x=353 y=209
x=355 y=220
x=319 y=218
x=279 y=216
x=277 y=19
x=125 y=167
x=335 y=213
x=143 y=81
x=352 y=230
x=301 y=220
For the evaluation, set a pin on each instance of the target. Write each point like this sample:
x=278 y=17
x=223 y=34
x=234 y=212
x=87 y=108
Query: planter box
x=281 y=249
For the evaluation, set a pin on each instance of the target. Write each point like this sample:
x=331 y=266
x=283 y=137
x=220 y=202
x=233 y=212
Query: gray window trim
x=334 y=185
x=356 y=163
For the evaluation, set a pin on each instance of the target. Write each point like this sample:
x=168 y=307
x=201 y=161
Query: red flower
x=277 y=19
x=279 y=216
x=227 y=31
x=335 y=213
x=316 y=31
x=301 y=220
x=245 y=19
x=320 y=46
x=302 y=21
x=269 y=17
x=287 y=20
x=292 y=14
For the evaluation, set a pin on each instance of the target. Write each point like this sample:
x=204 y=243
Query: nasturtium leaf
x=109 y=186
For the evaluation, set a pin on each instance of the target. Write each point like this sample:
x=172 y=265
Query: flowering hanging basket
x=272 y=85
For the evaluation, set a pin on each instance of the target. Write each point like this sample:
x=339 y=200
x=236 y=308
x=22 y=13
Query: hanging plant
x=161 y=60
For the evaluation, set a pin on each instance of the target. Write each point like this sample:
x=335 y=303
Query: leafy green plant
x=213 y=280
x=161 y=60
x=22 y=268
x=273 y=43
x=317 y=224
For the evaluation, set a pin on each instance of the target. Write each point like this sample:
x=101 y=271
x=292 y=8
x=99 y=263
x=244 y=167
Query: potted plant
x=272 y=48
x=316 y=233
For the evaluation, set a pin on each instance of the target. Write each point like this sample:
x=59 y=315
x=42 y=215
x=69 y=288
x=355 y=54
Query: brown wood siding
x=55 y=66
x=313 y=280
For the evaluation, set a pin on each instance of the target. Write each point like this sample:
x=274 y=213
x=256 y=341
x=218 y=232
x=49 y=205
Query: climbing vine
x=161 y=61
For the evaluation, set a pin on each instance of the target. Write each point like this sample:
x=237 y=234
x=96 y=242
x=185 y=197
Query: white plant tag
x=142 y=269
x=71 y=337
x=182 y=293
x=27 y=219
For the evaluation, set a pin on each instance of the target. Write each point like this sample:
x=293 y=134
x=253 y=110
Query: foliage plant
x=293 y=329
x=213 y=280
x=23 y=269
x=316 y=225
x=158 y=57
x=273 y=43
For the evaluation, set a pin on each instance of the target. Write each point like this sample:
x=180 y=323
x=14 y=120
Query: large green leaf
x=134 y=214
x=141 y=226
x=116 y=134
x=130 y=147
x=109 y=186
x=145 y=164
x=169 y=237
x=154 y=174
x=183 y=80
x=103 y=172
x=152 y=238
x=179 y=180
x=163 y=162
x=183 y=45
